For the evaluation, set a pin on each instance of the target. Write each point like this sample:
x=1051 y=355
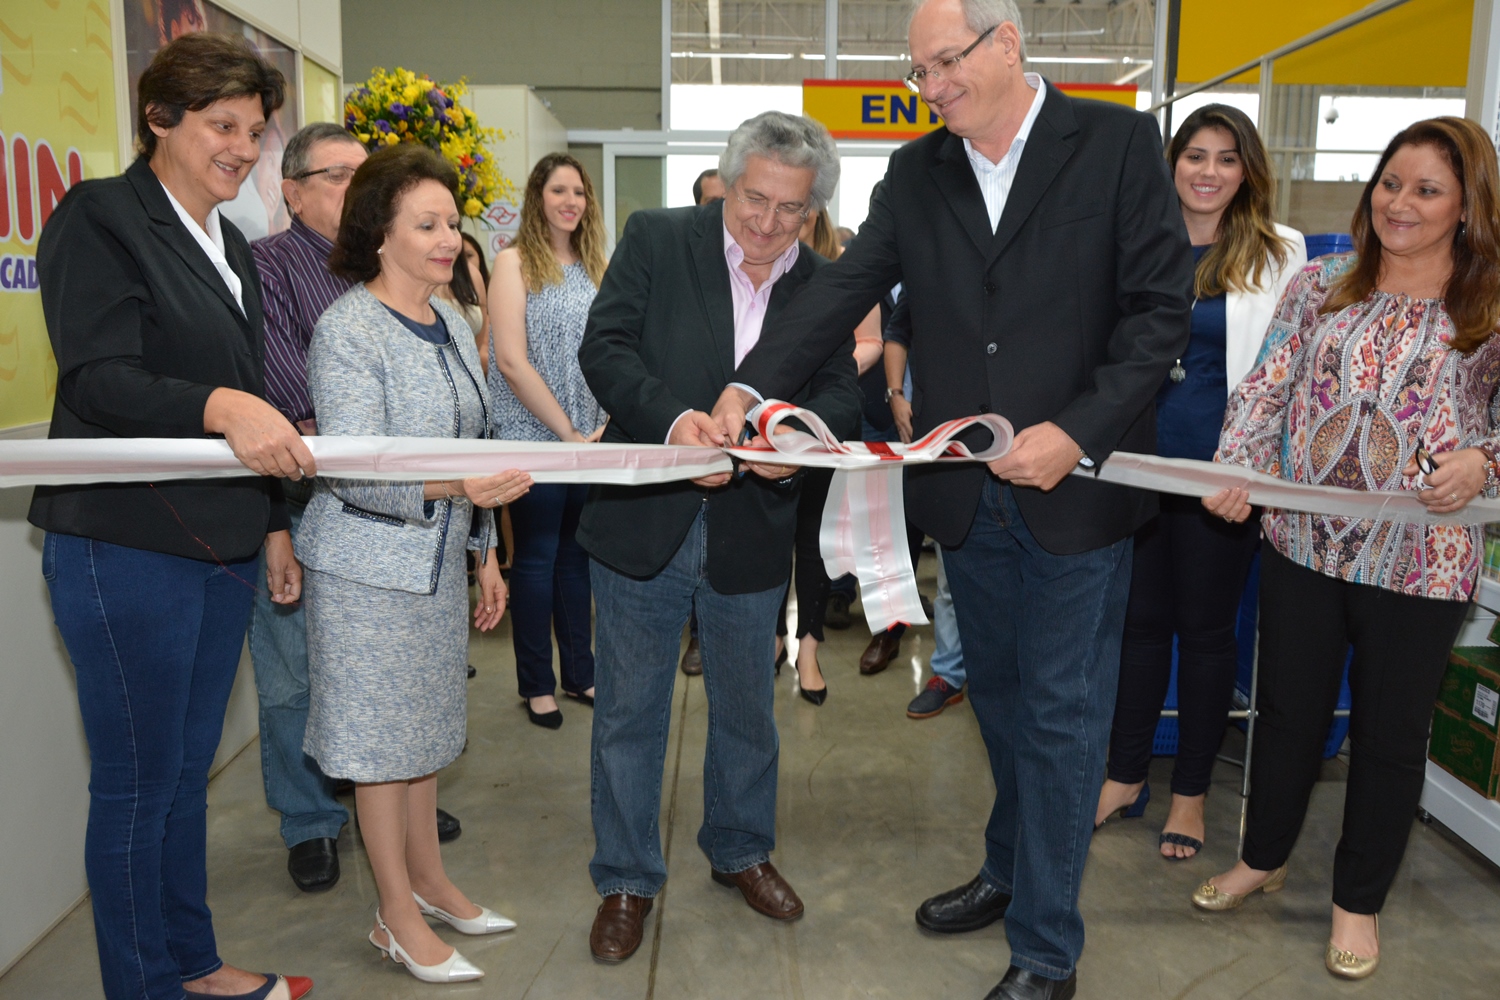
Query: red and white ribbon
x=864 y=521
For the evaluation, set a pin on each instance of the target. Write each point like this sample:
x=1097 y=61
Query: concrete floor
x=876 y=812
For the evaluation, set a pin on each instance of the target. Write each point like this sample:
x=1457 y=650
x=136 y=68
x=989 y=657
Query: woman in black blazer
x=154 y=315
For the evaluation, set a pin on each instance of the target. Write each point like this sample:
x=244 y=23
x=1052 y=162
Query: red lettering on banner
x=50 y=185
x=4 y=193
x=21 y=164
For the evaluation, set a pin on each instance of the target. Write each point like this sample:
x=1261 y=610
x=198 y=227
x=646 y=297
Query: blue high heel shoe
x=1135 y=810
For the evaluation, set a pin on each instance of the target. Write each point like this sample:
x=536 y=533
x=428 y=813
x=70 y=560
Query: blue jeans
x=295 y=787
x=639 y=633
x=155 y=643
x=549 y=588
x=947 y=648
x=1041 y=638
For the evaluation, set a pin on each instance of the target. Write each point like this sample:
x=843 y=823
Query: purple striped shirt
x=295 y=287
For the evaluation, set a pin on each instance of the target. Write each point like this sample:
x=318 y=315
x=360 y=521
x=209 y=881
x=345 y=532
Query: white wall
x=531 y=131
x=45 y=775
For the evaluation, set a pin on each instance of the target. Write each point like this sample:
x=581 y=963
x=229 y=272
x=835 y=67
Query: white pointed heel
x=456 y=969
x=488 y=921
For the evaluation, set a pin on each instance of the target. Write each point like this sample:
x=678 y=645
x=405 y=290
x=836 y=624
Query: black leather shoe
x=448 y=826
x=971 y=906
x=1020 y=984
x=314 y=864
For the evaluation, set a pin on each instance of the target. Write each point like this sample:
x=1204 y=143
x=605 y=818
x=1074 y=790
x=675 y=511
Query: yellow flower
x=363 y=137
x=473 y=207
x=391 y=139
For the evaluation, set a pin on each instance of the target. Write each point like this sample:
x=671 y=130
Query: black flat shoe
x=472 y=672
x=547 y=720
x=448 y=826
x=780 y=659
x=816 y=697
x=580 y=697
x=1021 y=984
x=314 y=864
x=973 y=905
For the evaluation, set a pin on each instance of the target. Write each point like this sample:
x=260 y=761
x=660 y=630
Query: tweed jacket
x=370 y=375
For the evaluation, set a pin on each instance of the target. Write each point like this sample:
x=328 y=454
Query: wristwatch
x=889 y=392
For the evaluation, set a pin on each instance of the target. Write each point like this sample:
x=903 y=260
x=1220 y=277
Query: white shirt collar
x=211 y=239
x=980 y=161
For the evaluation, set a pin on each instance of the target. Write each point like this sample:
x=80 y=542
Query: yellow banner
x=886 y=109
x=1424 y=43
x=57 y=126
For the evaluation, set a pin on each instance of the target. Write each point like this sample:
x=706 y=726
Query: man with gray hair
x=1048 y=276
x=684 y=299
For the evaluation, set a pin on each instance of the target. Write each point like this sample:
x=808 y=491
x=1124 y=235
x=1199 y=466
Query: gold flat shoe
x=1210 y=897
x=1347 y=965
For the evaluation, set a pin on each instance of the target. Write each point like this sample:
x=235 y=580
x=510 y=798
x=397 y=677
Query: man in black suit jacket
x=1048 y=275
x=684 y=298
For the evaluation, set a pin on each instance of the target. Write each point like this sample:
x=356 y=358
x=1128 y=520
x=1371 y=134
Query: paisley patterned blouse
x=1344 y=399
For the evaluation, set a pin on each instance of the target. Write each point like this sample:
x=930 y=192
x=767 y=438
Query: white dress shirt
x=995 y=179
x=212 y=242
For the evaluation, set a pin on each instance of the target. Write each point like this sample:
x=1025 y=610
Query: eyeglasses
x=943 y=68
x=335 y=175
x=789 y=213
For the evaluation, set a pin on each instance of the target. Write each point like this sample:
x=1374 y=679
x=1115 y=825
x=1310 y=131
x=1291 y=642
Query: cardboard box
x=1466 y=751
x=1471 y=686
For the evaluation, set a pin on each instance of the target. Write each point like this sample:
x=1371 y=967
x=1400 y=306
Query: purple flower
x=399 y=110
x=382 y=125
x=438 y=99
x=478 y=157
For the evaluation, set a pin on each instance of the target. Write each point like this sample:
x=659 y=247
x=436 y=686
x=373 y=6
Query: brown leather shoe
x=765 y=890
x=879 y=653
x=692 y=658
x=618 y=926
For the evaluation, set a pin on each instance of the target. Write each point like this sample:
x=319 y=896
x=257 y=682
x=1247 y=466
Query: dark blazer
x=660 y=340
x=144 y=329
x=1071 y=311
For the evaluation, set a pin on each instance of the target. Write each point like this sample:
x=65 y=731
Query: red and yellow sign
x=57 y=125
x=886 y=109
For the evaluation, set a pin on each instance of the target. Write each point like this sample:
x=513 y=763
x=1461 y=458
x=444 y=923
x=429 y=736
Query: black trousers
x=1186 y=580
x=1401 y=643
x=809 y=576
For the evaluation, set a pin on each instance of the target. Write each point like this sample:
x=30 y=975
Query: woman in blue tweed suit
x=386 y=592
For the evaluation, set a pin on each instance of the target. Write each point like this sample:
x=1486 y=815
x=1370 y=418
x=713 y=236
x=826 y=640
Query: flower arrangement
x=402 y=106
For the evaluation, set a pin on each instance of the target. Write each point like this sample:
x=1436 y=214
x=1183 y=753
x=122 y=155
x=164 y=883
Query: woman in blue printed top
x=1189 y=566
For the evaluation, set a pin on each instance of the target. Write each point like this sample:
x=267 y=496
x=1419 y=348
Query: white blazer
x=1248 y=315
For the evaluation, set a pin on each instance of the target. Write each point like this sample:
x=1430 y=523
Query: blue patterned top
x=555 y=319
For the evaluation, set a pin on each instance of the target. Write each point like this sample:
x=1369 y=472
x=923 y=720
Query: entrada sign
x=886 y=109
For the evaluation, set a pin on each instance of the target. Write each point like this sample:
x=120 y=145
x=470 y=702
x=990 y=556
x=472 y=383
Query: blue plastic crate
x=1165 y=742
x=1322 y=244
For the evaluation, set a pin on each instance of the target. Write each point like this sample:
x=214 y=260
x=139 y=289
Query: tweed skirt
x=387 y=674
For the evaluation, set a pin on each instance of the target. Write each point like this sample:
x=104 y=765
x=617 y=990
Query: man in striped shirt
x=296 y=286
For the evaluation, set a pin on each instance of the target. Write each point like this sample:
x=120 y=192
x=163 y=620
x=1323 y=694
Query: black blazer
x=1071 y=311
x=660 y=340
x=144 y=329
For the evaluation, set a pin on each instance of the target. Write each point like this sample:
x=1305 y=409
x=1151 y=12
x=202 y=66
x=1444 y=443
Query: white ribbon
x=864 y=522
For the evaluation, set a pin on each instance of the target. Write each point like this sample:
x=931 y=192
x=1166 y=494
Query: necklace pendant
x=1178 y=373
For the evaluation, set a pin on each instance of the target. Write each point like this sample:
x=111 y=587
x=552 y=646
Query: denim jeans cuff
x=1040 y=968
x=615 y=888
x=215 y=966
x=993 y=880
x=744 y=864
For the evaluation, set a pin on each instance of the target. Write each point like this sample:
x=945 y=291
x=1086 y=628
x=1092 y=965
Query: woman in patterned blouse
x=1374 y=361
